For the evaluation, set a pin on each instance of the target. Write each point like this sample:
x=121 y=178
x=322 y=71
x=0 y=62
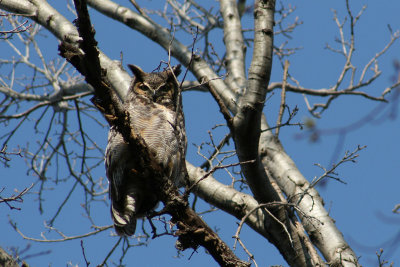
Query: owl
x=155 y=107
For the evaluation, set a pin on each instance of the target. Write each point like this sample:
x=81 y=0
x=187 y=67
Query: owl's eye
x=163 y=88
x=143 y=87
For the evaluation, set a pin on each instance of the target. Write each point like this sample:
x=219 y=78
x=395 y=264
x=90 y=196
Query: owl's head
x=159 y=87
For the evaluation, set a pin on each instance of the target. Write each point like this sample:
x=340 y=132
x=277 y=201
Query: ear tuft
x=176 y=70
x=138 y=72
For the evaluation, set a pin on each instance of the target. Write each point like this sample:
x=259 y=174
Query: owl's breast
x=156 y=125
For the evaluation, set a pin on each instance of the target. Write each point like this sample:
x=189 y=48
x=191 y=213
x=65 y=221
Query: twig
x=111 y=252
x=51 y=222
x=84 y=147
x=140 y=10
x=65 y=238
x=191 y=58
x=382 y=262
x=292 y=114
x=251 y=256
x=224 y=110
x=4 y=153
x=348 y=157
x=283 y=98
x=84 y=255
x=225 y=140
x=19 y=28
x=17 y=198
x=265 y=206
x=212 y=171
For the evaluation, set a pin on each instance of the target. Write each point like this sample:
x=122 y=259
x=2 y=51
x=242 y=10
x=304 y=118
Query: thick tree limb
x=247 y=120
x=235 y=48
x=246 y=133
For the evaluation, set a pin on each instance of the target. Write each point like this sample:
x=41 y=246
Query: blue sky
x=361 y=208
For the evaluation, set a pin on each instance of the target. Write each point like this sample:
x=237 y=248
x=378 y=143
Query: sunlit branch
x=283 y=98
x=64 y=238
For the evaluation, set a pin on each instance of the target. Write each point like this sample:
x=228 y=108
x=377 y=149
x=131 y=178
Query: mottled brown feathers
x=155 y=109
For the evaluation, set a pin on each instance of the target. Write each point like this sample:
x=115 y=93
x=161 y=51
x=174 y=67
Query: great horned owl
x=155 y=108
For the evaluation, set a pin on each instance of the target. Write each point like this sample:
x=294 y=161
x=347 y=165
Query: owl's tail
x=125 y=219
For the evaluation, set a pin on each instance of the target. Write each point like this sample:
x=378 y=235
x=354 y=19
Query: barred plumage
x=155 y=108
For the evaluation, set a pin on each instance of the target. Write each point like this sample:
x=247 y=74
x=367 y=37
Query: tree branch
x=235 y=48
x=14 y=198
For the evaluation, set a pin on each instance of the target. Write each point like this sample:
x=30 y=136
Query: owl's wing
x=125 y=200
x=116 y=151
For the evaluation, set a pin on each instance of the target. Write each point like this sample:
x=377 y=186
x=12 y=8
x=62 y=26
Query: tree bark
x=7 y=260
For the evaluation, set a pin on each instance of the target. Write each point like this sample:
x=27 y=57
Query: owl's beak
x=154 y=94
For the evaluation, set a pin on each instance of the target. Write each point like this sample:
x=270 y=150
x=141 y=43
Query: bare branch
x=348 y=157
x=21 y=27
x=84 y=255
x=347 y=47
x=4 y=155
x=283 y=98
x=14 y=198
x=98 y=229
